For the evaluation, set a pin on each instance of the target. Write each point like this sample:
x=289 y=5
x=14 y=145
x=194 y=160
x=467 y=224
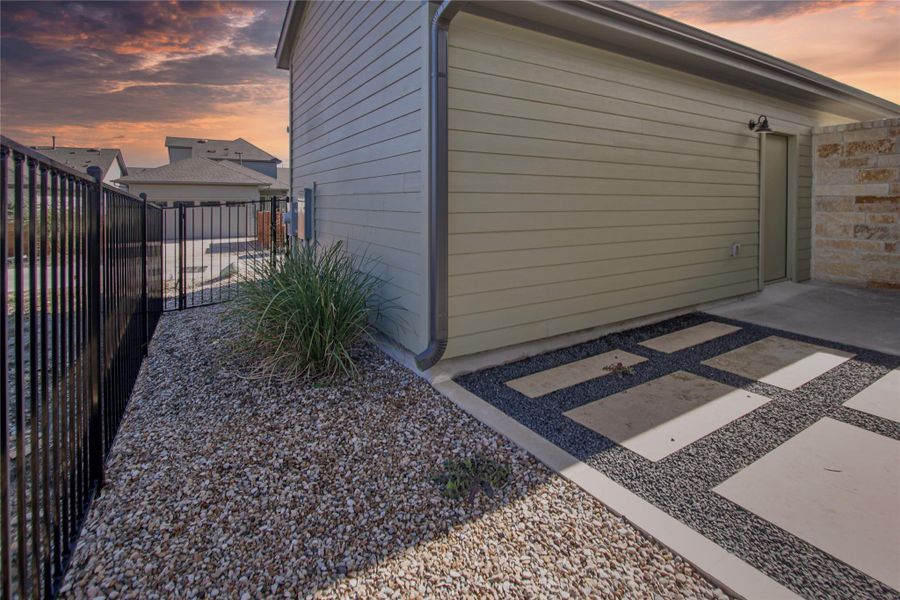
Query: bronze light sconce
x=760 y=125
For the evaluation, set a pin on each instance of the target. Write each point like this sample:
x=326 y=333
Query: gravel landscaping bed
x=681 y=484
x=223 y=487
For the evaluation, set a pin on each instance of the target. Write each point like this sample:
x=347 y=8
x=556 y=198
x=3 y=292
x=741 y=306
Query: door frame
x=793 y=157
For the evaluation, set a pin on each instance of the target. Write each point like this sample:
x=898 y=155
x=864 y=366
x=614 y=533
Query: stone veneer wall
x=856 y=204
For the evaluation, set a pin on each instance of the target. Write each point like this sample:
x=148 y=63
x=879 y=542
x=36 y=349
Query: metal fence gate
x=208 y=248
x=82 y=294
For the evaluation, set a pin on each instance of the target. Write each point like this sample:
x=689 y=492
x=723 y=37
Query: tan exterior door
x=775 y=217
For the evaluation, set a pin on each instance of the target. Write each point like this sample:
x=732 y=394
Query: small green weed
x=620 y=369
x=463 y=478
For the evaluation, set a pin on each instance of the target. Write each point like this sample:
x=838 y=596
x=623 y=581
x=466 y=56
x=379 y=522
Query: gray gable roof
x=237 y=149
x=82 y=158
x=196 y=171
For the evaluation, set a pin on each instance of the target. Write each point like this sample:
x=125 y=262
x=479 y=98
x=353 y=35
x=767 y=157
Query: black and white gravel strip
x=681 y=484
x=219 y=487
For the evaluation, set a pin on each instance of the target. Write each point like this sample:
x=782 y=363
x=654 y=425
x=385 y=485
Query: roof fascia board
x=290 y=27
x=626 y=29
x=121 y=160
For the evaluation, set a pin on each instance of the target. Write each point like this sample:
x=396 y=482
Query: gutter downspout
x=437 y=184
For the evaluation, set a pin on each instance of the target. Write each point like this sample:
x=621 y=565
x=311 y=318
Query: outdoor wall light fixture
x=760 y=125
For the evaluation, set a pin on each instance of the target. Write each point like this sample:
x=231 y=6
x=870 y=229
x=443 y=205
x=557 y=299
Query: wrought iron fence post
x=5 y=526
x=273 y=242
x=182 y=226
x=95 y=317
x=145 y=321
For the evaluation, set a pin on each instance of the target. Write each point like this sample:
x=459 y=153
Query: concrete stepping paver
x=836 y=486
x=666 y=414
x=779 y=361
x=689 y=336
x=881 y=399
x=543 y=382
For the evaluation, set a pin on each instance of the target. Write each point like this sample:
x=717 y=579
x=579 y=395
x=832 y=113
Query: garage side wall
x=358 y=122
x=587 y=188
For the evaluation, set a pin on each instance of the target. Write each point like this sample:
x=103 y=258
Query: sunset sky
x=126 y=74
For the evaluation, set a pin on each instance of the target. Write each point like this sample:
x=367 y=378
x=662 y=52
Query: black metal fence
x=210 y=247
x=82 y=293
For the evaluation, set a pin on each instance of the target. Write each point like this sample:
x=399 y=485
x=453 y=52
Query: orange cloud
x=856 y=42
x=200 y=69
x=263 y=123
x=742 y=11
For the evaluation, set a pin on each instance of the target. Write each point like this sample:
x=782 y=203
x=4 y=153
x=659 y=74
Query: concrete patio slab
x=779 y=361
x=573 y=373
x=881 y=399
x=666 y=414
x=690 y=336
x=836 y=486
x=859 y=317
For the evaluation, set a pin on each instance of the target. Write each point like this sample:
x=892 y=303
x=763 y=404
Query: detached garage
x=568 y=166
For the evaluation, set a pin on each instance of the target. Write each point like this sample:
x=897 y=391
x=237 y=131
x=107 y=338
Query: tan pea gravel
x=223 y=487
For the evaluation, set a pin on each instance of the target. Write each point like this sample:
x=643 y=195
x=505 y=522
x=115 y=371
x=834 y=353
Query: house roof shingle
x=197 y=171
x=221 y=149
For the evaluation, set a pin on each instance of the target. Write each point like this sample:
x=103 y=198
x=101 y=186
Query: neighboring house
x=574 y=166
x=199 y=182
x=238 y=151
x=110 y=160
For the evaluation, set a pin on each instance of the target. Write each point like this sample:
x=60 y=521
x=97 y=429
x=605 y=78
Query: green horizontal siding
x=358 y=123
x=587 y=188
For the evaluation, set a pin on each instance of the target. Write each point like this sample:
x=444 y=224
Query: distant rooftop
x=259 y=177
x=199 y=171
x=221 y=149
x=82 y=158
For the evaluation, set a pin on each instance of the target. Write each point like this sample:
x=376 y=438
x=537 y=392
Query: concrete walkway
x=711 y=435
x=859 y=317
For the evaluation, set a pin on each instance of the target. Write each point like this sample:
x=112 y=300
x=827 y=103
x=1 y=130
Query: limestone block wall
x=856 y=204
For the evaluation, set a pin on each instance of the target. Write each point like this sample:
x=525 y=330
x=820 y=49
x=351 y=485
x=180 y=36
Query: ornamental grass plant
x=305 y=312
